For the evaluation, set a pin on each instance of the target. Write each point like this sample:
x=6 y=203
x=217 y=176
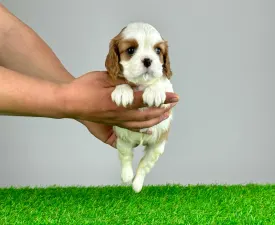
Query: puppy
x=140 y=55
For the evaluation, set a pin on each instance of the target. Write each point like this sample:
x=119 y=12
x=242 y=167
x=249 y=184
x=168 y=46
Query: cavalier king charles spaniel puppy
x=139 y=54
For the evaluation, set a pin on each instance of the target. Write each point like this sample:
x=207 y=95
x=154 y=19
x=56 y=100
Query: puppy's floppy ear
x=112 y=64
x=112 y=60
x=166 y=61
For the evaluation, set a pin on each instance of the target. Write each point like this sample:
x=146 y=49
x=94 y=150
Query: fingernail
x=174 y=100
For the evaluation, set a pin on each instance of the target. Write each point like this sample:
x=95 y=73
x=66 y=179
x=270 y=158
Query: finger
x=145 y=124
x=112 y=140
x=139 y=103
x=137 y=115
x=112 y=118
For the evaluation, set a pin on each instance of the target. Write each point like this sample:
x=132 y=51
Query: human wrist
x=69 y=109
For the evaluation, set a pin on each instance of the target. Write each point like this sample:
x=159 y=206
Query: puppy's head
x=139 y=54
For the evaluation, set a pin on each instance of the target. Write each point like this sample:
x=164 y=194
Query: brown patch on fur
x=112 y=65
x=162 y=48
x=117 y=52
x=164 y=58
x=124 y=45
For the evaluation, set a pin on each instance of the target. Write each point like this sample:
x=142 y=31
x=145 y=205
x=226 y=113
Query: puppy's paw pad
x=123 y=95
x=153 y=97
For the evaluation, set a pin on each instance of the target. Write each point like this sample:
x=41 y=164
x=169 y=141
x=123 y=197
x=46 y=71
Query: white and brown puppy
x=140 y=55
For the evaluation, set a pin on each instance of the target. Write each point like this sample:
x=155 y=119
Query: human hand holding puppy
x=88 y=100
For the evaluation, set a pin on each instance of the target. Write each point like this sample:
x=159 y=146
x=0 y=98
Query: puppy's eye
x=131 y=51
x=158 y=50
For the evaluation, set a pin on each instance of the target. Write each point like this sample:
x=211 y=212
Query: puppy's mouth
x=145 y=78
x=147 y=75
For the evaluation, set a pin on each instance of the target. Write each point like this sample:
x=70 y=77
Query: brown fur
x=164 y=58
x=117 y=52
x=124 y=45
x=112 y=64
x=162 y=47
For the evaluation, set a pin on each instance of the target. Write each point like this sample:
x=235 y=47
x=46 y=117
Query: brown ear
x=166 y=62
x=112 y=60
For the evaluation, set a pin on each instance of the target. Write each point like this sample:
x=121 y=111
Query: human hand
x=103 y=132
x=88 y=98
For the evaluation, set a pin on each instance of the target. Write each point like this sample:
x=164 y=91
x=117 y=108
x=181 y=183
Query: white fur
x=147 y=36
x=154 y=84
x=123 y=95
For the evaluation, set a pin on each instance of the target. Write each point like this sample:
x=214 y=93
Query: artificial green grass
x=170 y=204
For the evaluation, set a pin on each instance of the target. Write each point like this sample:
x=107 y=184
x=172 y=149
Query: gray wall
x=222 y=55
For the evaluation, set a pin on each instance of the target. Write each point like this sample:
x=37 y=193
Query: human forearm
x=21 y=95
x=22 y=50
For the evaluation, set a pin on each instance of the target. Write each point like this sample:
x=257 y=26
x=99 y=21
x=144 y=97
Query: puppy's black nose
x=147 y=62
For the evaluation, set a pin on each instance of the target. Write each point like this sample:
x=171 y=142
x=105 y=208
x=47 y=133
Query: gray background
x=222 y=55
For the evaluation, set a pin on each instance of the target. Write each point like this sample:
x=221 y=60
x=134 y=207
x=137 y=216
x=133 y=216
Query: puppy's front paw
x=123 y=95
x=154 y=97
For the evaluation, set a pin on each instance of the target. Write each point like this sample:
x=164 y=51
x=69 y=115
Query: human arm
x=23 y=51
x=21 y=95
x=87 y=98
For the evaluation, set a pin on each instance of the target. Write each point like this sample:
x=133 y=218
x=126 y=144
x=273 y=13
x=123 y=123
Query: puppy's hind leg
x=152 y=153
x=125 y=151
